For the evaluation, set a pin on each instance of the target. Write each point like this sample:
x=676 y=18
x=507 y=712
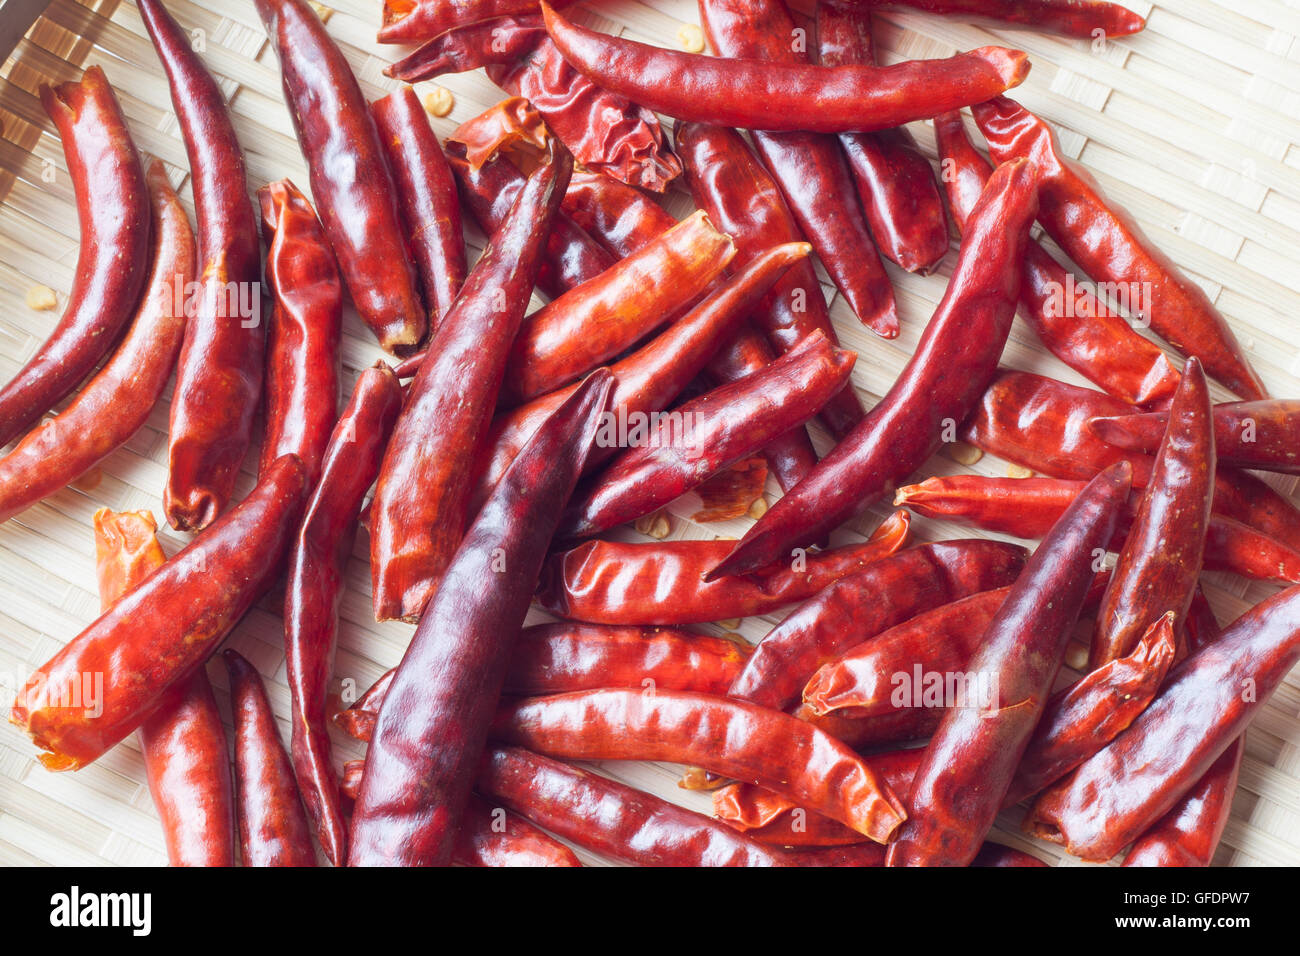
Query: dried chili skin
x=489 y=836
x=995 y=854
x=273 y=829
x=1123 y=790
x=314 y=591
x=954 y=360
x=350 y=179
x=302 y=343
x=113 y=261
x=413 y=21
x=732 y=738
x=433 y=724
x=856 y=608
x=607 y=582
x=116 y=402
x=618 y=216
x=427 y=197
x=1076 y=18
x=161 y=631
x=970 y=761
x=184 y=743
x=1109 y=246
x=1190 y=832
x=421 y=503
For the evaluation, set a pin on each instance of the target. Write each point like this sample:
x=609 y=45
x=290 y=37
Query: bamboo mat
x=1194 y=125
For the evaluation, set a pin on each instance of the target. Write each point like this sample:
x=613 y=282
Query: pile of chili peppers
x=913 y=691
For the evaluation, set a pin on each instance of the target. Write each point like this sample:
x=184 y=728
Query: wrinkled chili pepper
x=302 y=343
x=113 y=260
x=116 y=402
x=1110 y=247
x=414 y=21
x=956 y=357
x=888 y=729
x=618 y=216
x=433 y=724
x=970 y=761
x=421 y=501
x=607 y=582
x=273 y=829
x=489 y=836
x=314 y=590
x=1080 y=329
x=184 y=744
x=350 y=179
x=1076 y=18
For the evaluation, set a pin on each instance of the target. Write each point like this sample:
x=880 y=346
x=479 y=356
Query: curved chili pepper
x=970 y=761
x=113 y=261
x=162 y=630
x=729 y=737
x=421 y=502
x=618 y=216
x=1076 y=18
x=302 y=343
x=413 y=21
x=273 y=829
x=1071 y=321
x=113 y=405
x=1110 y=247
x=315 y=590
x=426 y=191
x=1190 y=832
x=184 y=743
x=489 y=836
x=433 y=724
x=895 y=182
x=350 y=179
x=607 y=582
x=956 y=357
x=913 y=723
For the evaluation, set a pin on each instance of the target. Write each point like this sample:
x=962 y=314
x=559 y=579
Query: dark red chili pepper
x=489 y=836
x=913 y=723
x=1109 y=246
x=1189 y=833
x=350 y=179
x=113 y=262
x=618 y=216
x=995 y=854
x=414 y=21
x=116 y=402
x=956 y=357
x=1076 y=18
x=433 y=724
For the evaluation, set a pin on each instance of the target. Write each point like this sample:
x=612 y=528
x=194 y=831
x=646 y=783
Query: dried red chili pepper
x=1077 y=18
x=421 y=502
x=1071 y=322
x=949 y=815
x=413 y=21
x=956 y=357
x=618 y=216
x=1110 y=247
x=995 y=854
x=116 y=402
x=489 y=836
x=113 y=261
x=433 y=724
x=913 y=723
x=350 y=179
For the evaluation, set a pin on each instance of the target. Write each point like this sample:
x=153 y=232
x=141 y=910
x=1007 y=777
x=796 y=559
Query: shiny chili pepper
x=729 y=737
x=1190 y=832
x=607 y=582
x=414 y=21
x=116 y=402
x=350 y=179
x=913 y=723
x=956 y=357
x=970 y=761
x=315 y=590
x=1076 y=18
x=618 y=216
x=113 y=262
x=162 y=630
x=273 y=829
x=421 y=502
x=302 y=343
x=1071 y=321
x=1109 y=246
x=895 y=182
x=183 y=742
x=433 y=724
x=489 y=836
x=426 y=191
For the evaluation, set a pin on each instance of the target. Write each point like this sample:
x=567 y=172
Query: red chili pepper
x=1076 y=18
x=184 y=743
x=434 y=722
x=314 y=591
x=1109 y=246
x=1071 y=322
x=414 y=21
x=895 y=182
x=914 y=723
x=955 y=359
x=421 y=502
x=607 y=582
x=426 y=191
x=350 y=179
x=995 y=854
x=618 y=216
x=116 y=402
x=302 y=346
x=113 y=262
x=970 y=761
x=489 y=836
